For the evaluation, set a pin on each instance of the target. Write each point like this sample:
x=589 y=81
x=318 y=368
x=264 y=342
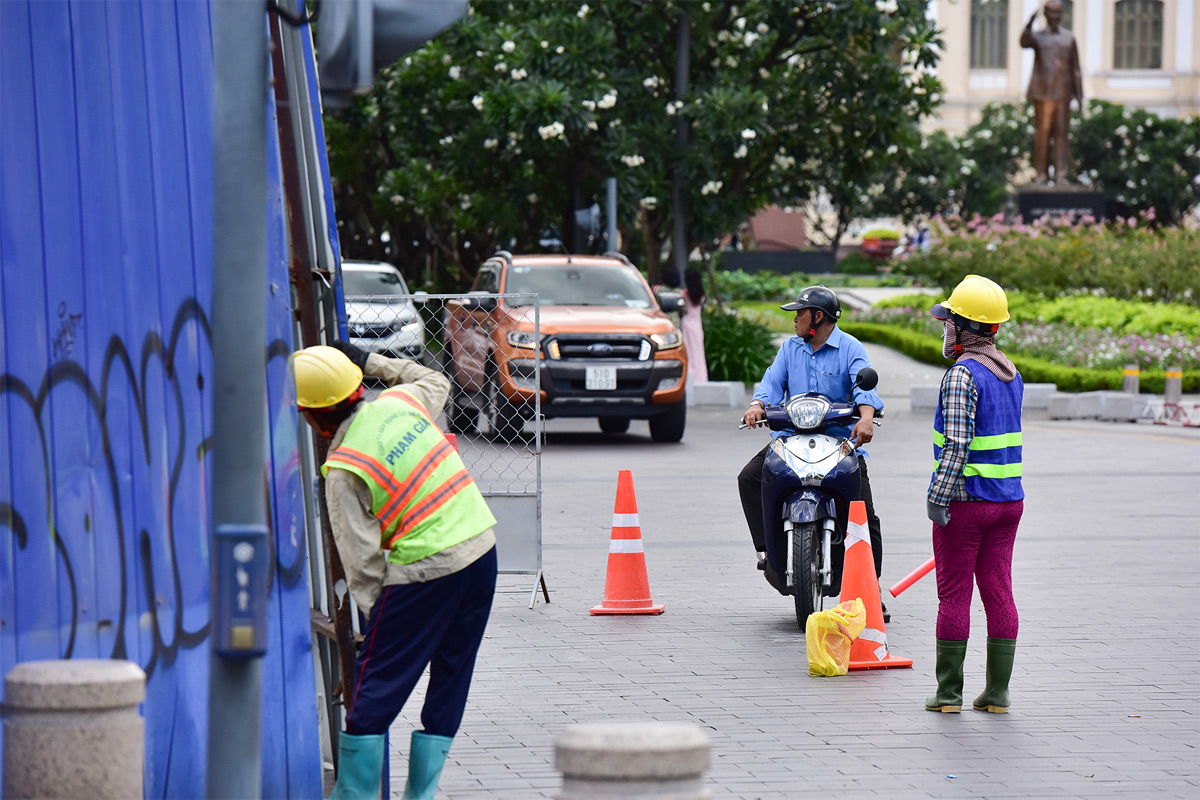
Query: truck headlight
x=667 y=341
x=523 y=339
x=807 y=413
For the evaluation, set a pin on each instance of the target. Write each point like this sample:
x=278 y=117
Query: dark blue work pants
x=440 y=624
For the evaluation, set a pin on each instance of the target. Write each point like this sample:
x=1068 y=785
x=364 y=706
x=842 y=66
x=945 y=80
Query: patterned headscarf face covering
x=979 y=347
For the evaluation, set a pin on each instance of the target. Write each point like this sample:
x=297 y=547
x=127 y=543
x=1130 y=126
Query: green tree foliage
x=496 y=131
x=1144 y=165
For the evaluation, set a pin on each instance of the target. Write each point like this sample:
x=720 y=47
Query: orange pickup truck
x=606 y=348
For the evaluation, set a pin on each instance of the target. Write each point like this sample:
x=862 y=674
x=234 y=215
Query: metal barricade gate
x=498 y=429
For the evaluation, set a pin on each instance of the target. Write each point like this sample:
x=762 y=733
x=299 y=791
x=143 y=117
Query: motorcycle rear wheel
x=806 y=555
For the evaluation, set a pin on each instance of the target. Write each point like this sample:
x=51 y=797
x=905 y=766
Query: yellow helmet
x=976 y=298
x=324 y=376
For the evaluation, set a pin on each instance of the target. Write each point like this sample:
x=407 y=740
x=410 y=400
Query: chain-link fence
x=489 y=352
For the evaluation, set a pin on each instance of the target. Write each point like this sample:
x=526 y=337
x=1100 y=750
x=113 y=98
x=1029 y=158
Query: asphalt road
x=1107 y=676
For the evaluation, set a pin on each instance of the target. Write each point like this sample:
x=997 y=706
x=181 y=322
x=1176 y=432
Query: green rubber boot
x=949 y=672
x=426 y=757
x=1000 y=654
x=360 y=767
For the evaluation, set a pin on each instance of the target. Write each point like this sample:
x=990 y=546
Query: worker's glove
x=938 y=514
x=353 y=352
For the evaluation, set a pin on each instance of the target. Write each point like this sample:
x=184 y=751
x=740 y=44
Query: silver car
x=380 y=314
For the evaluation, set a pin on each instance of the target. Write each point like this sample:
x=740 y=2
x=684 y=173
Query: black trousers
x=439 y=624
x=750 y=488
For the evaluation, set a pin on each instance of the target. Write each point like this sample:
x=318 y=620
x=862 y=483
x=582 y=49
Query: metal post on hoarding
x=239 y=303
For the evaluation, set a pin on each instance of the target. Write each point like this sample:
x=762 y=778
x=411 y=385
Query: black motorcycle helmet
x=821 y=298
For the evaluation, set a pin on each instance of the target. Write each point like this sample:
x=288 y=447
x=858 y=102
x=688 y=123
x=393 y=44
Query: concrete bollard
x=1173 y=385
x=633 y=761
x=72 y=729
x=1132 y=377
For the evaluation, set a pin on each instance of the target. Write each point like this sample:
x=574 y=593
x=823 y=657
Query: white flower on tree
x=508 y=47
x=490 y=144
x=633 y=160
x=519 y=74
x=648 y=203
x=749 y=133
x=741 y=151
x=477 y=101
x=554 y=130
x=455 y=72
x=583 y=11
x=608 y=101
x=712 y=187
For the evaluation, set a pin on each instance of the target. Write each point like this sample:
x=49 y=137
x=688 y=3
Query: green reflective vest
x=421 y=493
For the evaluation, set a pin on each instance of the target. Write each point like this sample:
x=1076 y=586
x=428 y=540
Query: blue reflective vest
x=993 y=468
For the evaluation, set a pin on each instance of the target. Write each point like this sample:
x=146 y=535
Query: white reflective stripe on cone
x=872 y=635
x=626 y=521
x=857 y=533
x=625 y=546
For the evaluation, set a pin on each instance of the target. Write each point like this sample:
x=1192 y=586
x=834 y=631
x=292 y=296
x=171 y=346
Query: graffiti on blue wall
x=106 y=233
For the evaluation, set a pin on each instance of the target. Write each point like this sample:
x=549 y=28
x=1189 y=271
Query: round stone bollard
x=72 y=729
x=632 y=761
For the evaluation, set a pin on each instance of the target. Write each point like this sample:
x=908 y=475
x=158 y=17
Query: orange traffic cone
x=626 y=589
x=870 y=650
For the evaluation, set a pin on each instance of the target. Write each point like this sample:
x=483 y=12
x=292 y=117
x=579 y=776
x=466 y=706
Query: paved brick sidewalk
x=1108 y=668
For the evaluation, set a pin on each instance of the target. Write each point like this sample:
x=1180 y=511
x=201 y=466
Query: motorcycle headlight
x=667 y=341
x=523 y=339
x=807 y=413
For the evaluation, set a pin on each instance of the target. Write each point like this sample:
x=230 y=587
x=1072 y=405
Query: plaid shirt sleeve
x=959 y=401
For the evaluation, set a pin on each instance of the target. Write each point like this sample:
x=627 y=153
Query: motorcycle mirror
x=867 y=379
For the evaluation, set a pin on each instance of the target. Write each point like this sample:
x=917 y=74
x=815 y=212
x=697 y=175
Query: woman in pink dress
x=692 y=327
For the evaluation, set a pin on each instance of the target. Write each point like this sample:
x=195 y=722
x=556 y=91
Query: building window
x=989 y=34
x=1137 y=42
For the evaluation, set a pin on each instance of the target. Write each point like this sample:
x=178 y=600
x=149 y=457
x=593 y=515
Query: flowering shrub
x=1128 y=259
x=1061 y=343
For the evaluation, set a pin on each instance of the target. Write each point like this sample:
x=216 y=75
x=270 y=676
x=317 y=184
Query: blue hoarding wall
x=106 y=229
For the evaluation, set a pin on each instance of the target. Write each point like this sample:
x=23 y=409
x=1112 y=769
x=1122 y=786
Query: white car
x=380 y=313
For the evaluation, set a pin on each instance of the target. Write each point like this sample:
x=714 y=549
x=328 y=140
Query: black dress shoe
x=886 y=616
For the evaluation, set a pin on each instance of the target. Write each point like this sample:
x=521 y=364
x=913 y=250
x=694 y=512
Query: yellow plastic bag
x=829 y=634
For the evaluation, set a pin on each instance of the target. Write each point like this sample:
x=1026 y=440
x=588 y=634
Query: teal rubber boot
x=360 y=767
x=1000 y=654
x=949 y=672
x=426 y=757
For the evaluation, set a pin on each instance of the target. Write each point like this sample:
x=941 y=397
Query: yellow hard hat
x=976 y=298
x=324 y=376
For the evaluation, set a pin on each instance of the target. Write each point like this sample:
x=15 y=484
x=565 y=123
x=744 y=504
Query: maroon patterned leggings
x=976 y=546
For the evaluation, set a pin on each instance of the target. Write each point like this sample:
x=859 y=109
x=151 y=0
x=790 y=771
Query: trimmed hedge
x=928 y=350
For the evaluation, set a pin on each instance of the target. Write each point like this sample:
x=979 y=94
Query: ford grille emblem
x=600 y=348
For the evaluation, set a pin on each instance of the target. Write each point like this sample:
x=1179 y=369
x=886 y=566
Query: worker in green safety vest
x=415 y=538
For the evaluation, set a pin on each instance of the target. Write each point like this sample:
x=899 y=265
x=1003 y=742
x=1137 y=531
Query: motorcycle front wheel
x=806 y=555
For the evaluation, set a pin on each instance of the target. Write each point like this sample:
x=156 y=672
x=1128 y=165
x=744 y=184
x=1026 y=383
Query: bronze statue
x=1056 y=80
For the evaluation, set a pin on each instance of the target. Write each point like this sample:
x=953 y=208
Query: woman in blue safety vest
x=975 y=498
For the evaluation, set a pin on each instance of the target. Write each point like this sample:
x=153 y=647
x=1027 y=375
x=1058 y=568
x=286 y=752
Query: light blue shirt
x=831 y=371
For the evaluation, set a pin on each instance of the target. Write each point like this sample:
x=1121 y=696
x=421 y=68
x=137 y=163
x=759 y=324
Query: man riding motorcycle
x=819 y=358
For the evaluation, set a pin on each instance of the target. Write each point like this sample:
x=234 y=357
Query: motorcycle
x=809 y=480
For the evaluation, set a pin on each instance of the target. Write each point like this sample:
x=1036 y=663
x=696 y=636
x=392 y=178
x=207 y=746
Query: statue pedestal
x=1067 y=201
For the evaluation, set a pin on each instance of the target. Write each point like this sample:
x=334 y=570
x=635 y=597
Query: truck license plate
x=600 y=379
